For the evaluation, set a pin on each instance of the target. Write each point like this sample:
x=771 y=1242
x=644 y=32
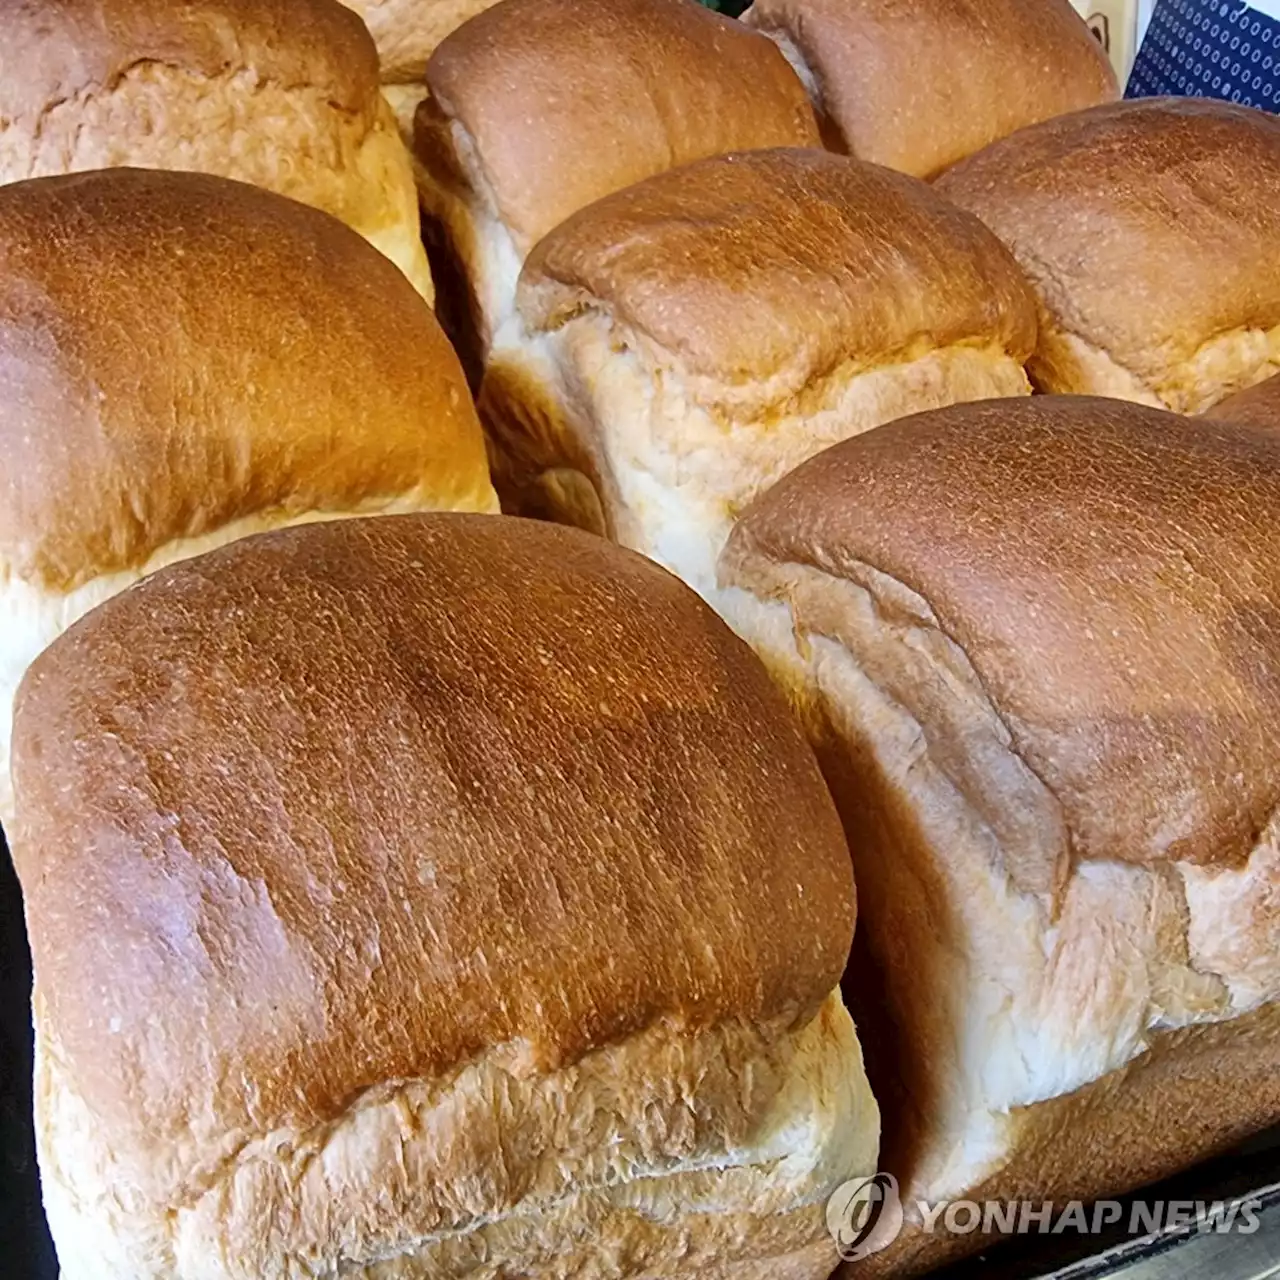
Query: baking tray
x=1249 y=1175
x=1252 y=1173
x=26 y=1252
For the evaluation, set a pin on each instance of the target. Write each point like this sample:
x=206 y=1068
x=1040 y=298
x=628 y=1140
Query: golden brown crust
x=368 y=799
x=1104 y=568
x=1192 y=1093
x=1259 y=406
x=772 y=264
x=1032 y=642
x=920 y=85
x=59 y=50
x=529 y=82
x=1149 y=229
x=178 y=352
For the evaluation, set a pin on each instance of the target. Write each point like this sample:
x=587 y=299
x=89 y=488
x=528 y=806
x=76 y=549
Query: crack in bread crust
x=676 y=1150
x=296 y=139
x=1179 y=991
x=670 y=469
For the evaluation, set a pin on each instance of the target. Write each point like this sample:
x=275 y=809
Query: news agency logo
x=866 y=1216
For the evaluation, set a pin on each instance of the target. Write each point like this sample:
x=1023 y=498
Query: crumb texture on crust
x=659 y=1157
x=283 y=96
x=585 y=433
x=919 y=84
x=528 y=81
x=1068 y=364
x=266 y=874
x=1149 y=231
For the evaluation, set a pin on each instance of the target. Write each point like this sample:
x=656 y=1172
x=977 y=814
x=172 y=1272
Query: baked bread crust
x=411 y=891
x=1257 y=406
x=1149 y=231
x=919 y=84
x=185 y=360
x=407 y=32
x=688 y=341
x=507 y=143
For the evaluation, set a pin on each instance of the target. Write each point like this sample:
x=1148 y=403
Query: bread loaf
x=440 y=896
x=919 y=84
x=185 y=360
x=1151 y=233
x=688 y=341
x=539 y=107
x=1034 y=644
x=280 y=93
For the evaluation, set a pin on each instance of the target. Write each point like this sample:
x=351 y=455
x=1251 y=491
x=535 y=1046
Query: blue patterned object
x=1210 y=49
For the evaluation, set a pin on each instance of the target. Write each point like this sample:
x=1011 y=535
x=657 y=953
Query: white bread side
x=470 y=241
x=591 y=429
x=668 y=1154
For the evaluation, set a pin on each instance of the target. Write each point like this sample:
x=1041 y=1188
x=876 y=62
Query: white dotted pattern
x=1210 y=49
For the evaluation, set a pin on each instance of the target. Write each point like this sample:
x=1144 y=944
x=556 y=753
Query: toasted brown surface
x=919 y=84
x=1259 y=406
x=355 y=803
x=1034 y=645
x=1149 y=228
x=179 y=351
x=1108 y=573
x=782 y=264
x=408 y=31
x=58 y=50
x=533 y=83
